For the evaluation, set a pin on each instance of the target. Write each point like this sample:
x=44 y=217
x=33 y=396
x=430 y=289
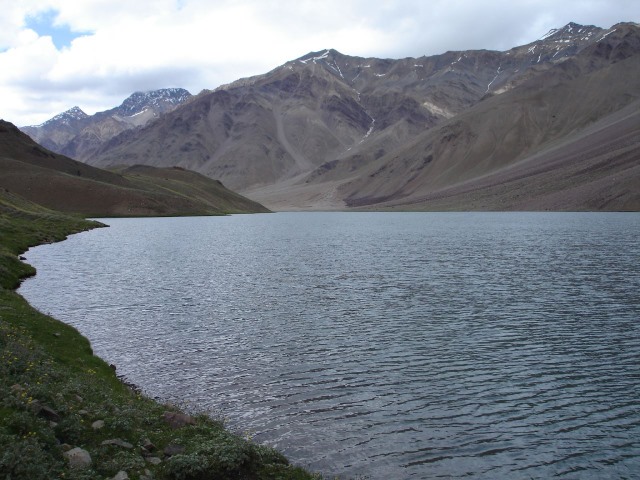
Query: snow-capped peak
x=314 y=56
x=160 y=100
x=571 y=31
x=71 y=115
x=328 y=55
x=559 y=43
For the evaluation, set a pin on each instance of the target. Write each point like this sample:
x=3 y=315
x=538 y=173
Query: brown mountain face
x=548 y=124
x=60 y=183
x=461 y=130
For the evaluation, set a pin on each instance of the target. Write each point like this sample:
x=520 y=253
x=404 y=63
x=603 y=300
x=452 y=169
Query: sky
x=56 y=54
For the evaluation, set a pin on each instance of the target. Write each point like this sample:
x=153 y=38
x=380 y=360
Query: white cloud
x=126 y=46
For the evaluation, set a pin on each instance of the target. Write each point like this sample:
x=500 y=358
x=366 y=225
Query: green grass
x=52 y=389
x=24 y=224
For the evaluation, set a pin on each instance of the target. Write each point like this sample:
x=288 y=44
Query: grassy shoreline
x=58 y=400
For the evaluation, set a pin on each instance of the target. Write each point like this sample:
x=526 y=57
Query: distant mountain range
x=554 y=124
x=76 y=134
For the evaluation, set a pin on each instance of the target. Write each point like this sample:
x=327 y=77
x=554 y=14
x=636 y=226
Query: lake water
x=386 y=345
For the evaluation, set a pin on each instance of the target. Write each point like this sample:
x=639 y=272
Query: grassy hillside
x=66 y=185
x=187 y=184
x=57 y=397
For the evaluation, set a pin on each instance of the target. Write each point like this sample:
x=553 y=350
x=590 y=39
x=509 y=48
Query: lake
x=385 y=345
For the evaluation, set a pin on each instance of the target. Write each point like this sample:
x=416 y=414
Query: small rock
x=79 y=399
x=83 y=412
x=53 y=424
x=56 y=334
x=147 y=445
x=147 y=475
x=172 y=449
x=178 y=420
x=98 y=424
x=121 y=475
x=78 y=458
x=43 y=411
x=49 y=414
x=17 y=388
x=153 y=460
x=65 y=447
x=118 y=443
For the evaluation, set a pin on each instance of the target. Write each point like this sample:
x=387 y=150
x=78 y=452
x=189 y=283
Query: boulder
x=98 y=424
x=17 y=388
x=178 y=420
x=172 y=449
x=45 y=412
x=118 y=443
x=78 y=458
x=147 y=475
x=147 y=445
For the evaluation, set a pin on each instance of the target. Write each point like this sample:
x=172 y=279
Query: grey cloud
x=410 y=28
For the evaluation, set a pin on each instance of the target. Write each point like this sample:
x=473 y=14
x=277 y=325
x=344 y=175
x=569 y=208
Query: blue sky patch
x=43 y=24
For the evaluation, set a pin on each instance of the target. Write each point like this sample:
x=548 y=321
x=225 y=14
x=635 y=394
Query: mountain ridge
x=313 y=132
x=76 y=134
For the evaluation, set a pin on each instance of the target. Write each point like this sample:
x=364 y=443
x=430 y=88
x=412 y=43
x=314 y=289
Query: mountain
x=571 y=142
x=76 y=134
x=465 y=130
x=60 y=183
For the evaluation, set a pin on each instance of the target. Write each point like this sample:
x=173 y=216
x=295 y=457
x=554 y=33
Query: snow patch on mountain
x=139 y=113
x=606 y=35
x=497 y=75
x=366 y=135
x=314 y=59
x=548 y=34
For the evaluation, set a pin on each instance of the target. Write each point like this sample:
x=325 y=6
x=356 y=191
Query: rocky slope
x=331 y=131
x=63 y=184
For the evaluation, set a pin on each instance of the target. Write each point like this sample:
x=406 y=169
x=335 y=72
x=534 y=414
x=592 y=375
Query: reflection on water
x=387 y=345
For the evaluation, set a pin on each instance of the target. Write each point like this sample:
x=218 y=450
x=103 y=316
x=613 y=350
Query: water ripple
x=387 y=345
